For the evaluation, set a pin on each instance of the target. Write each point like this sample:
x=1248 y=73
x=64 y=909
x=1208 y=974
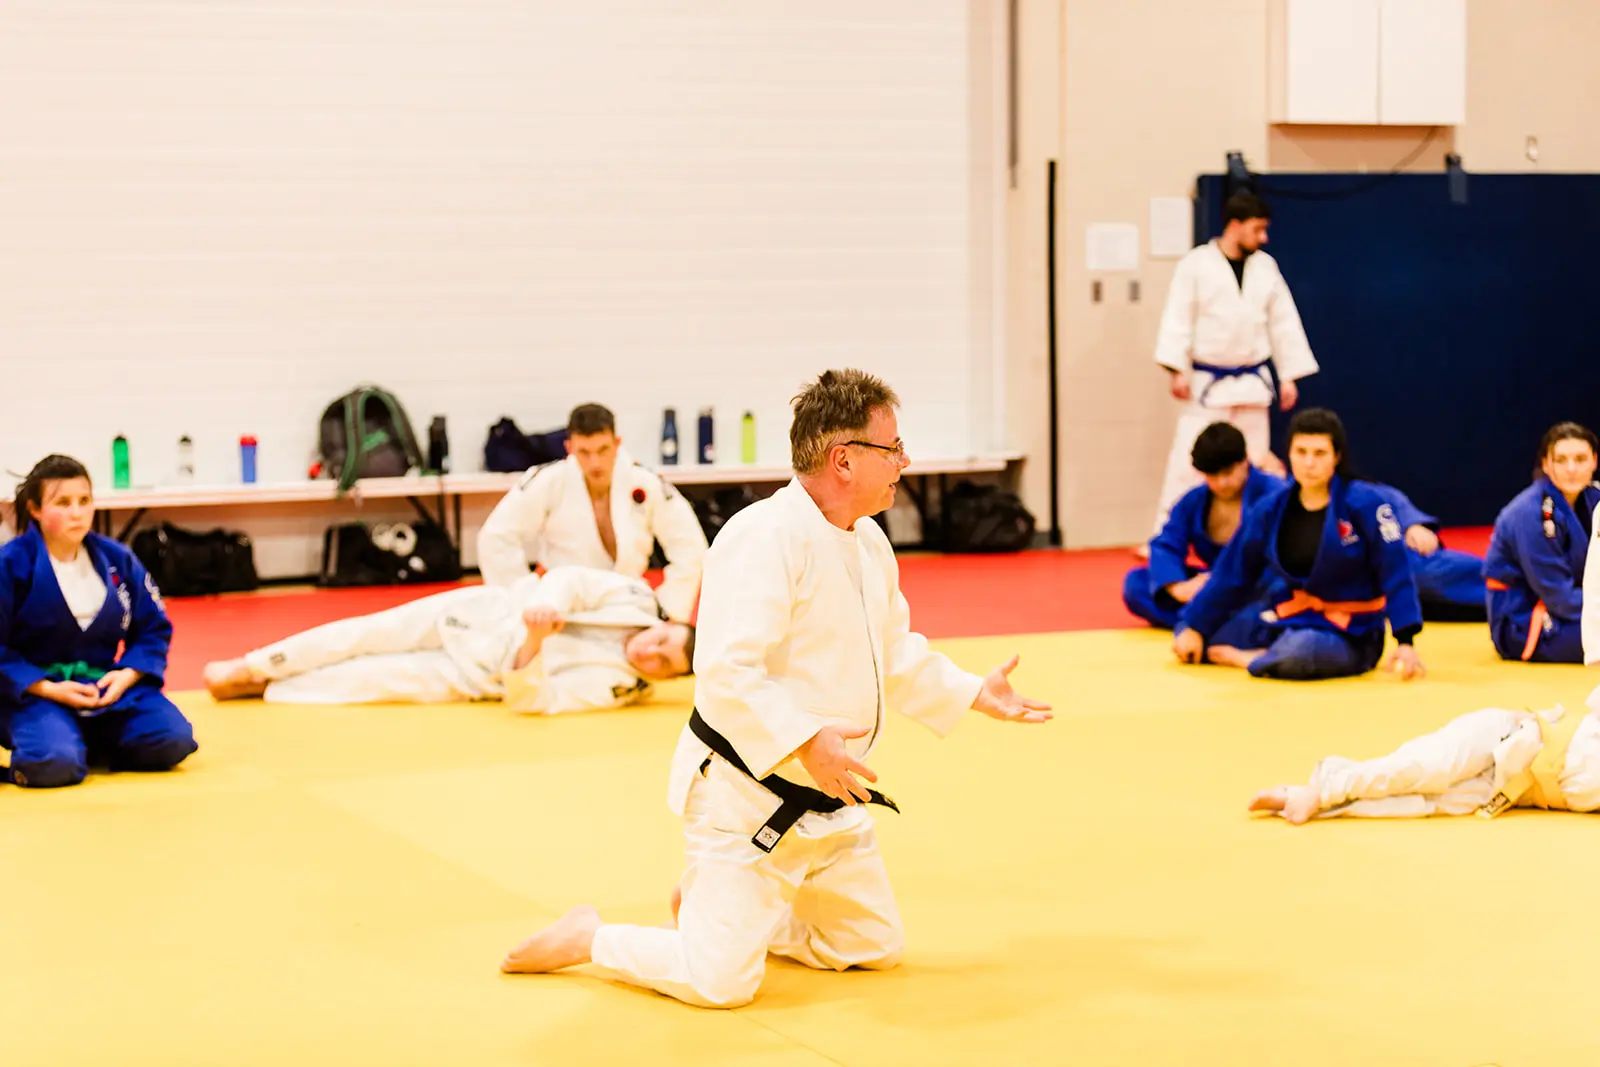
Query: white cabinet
x=1369 y=62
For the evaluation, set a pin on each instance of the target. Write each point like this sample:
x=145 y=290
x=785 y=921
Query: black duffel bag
x=984 y=518
x=391 y=554
x=185 y=563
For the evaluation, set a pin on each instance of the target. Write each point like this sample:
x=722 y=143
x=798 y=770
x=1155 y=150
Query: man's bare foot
x=1272 y=799
x=231 y=679
x=1300 y=804
x=566 y=942
x=1227 y=656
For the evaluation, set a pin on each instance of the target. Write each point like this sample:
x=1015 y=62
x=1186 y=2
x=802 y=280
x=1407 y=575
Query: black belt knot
x=797 y=799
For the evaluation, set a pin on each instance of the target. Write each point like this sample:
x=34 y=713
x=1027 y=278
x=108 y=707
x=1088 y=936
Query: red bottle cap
x=247 y=440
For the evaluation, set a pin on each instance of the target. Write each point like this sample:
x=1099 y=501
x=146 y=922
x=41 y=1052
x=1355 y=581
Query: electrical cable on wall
x=1262 y=188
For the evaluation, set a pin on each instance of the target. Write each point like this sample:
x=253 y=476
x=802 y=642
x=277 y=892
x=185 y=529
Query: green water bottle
x=121 y=470
x=747 y=437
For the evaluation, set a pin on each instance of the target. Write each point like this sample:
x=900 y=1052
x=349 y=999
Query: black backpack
x=984 y=518
x=366 y=434
x=184 y=563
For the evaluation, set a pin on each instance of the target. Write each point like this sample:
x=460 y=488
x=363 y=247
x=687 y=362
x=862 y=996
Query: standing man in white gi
x=597 y=508
x=1228 y=315
x=804 y=642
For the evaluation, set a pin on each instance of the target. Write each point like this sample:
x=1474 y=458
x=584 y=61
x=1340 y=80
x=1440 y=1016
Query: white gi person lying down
x=807 y=646
x=1485 y=761
x=576 y=639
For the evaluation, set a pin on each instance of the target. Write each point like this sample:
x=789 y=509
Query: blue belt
x=1219 y=373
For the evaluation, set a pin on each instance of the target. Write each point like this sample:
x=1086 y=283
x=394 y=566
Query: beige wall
x=1090 y=97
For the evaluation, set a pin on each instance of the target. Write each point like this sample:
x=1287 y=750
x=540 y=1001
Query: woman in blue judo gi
x=83 y=643
x=1332 y=554
x=1202 y=521
x=1536 y=560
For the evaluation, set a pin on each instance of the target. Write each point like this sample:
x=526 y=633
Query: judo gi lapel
x=46 y=603
x=874 y=597
x=1338 y=534
x=116 y=613
x=628 y=522
x=1563 y=525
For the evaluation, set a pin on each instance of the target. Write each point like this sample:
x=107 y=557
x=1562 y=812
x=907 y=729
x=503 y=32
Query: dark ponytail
x=52 y=468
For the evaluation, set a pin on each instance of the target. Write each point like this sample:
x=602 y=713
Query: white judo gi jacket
x=1210 y=318
x=1591 y=598
x=550 y=509
x=584 y=666
x=787 y=645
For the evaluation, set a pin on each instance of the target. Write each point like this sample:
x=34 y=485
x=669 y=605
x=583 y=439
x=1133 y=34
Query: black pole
x=1050 y=304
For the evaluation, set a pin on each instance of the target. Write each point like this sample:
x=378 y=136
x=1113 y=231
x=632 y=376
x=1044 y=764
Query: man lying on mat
x=576 y=639
x=1485 y=761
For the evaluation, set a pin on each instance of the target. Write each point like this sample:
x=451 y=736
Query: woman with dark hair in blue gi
x=68 y=599
x=1332 y=556
x=1536 y=561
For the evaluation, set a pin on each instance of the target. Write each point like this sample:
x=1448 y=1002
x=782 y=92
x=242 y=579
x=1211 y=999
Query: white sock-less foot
x=1273 y=799
x=231 y=679
x=567 y=942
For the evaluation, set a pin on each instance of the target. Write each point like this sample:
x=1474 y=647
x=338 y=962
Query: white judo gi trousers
x=824 y=901
x=393 y=656
x=1448 y=772
x=1253 y=421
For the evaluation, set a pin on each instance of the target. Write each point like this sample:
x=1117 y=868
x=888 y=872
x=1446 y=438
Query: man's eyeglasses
x=898 y=449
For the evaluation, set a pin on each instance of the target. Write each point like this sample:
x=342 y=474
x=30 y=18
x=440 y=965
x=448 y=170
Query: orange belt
x=1337 y=612
x=1536 y=621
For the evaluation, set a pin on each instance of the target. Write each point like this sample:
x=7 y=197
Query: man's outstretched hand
x=999 y=701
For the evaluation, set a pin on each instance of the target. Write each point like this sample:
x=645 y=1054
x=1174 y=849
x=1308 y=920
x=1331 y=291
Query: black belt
x=797 y=799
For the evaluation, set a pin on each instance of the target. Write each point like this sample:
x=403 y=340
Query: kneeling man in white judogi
x=805 y=642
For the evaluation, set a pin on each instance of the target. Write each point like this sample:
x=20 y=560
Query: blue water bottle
x=247 y=457
x=669 y=438
x=708 y=449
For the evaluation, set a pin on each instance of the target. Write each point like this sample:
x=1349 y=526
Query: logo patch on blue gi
x=1388 y=525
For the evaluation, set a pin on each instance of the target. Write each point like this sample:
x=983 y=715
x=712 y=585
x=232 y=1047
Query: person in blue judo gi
x=83 y=643
x=1538 y=552
x=1332 y=554
x=1450 y=583
x=1201 y=523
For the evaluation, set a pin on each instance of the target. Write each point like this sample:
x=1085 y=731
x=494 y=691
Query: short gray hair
x=840 y=402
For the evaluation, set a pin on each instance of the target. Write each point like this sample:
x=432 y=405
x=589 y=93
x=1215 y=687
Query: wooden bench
x=437 y=498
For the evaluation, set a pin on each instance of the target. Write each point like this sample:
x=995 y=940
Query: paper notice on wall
x=1171 y=226
x=1112 y=246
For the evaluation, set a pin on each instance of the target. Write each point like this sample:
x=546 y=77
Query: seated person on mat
x=1485 y=761
x=576 y=639
x=1332 y=555
x=596 y=508
x=83 y=643
x=1449 y=583
x=1536 y=560
x=1202 y=521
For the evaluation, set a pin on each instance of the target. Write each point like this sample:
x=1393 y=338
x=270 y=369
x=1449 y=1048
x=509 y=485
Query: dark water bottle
x=708 y=430
x=669 y=438
x=438 y=446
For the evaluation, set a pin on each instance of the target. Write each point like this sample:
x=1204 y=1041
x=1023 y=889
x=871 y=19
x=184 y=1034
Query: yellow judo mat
x=338 y=886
